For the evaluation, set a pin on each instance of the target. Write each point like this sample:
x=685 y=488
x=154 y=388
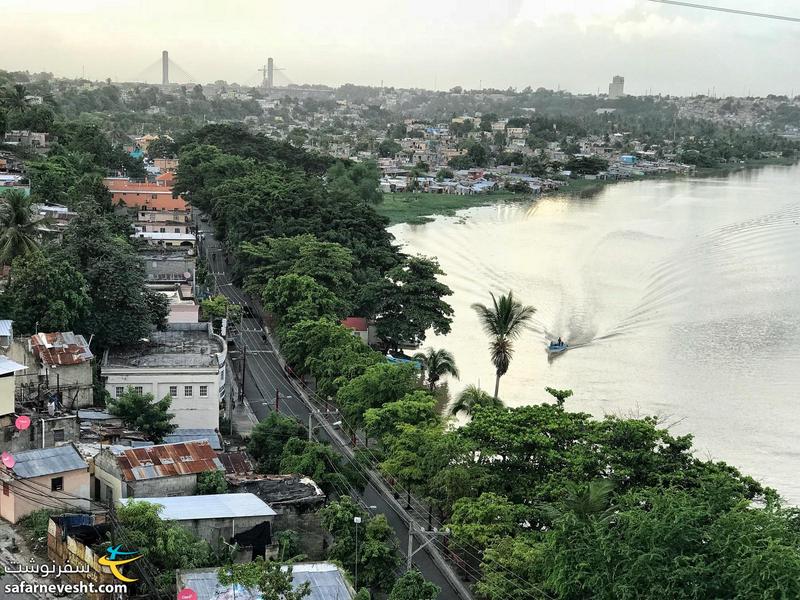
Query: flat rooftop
x=181 y=345
x=214 y=506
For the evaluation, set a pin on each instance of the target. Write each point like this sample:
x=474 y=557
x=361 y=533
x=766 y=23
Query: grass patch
x=418 y=208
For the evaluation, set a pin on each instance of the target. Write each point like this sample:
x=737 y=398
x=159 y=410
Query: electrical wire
x=734 y=11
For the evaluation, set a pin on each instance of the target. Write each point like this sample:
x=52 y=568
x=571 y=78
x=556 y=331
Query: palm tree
x=435 y=364
x=14 y=98
x=503 y=323
x=472 y=397
x=17 y=228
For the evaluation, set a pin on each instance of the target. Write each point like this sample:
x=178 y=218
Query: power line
x=734 y=11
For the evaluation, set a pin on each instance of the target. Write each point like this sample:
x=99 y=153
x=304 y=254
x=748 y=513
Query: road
x=265 y=375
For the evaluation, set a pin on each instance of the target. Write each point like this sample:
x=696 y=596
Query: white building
x=616 y=87
x=186 y=362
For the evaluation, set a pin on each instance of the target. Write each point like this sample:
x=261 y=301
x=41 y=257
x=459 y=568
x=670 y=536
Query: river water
x=679 y=298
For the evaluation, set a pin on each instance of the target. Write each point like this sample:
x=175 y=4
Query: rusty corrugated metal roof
x=236 y=463
x=60 y=348
x=168 y=460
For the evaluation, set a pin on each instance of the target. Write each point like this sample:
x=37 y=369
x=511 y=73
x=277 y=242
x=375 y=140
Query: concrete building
x=167 y=267
x=326 y=580
x=58 y=476
x=242 y=519
x=59 y=363
x=151 y=471
x=146 y=196
x=185 y=362
x=616 y=87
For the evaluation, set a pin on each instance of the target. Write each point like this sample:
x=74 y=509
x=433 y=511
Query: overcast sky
x=576 y=45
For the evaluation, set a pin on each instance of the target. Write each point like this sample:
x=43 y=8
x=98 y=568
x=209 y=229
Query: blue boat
x=557 y=347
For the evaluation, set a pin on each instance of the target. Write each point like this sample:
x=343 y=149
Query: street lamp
x=356 y=520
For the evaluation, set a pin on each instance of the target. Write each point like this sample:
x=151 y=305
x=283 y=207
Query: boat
x=557 y=348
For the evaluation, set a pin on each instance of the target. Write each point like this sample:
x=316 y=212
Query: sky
x=577 y=45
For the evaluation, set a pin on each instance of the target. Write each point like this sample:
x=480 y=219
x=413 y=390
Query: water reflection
x=677 y=297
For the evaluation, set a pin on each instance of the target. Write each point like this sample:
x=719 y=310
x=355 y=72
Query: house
x=242 y=519
x=6 y=333
x=327 y=582
x=360 y=328
x=186 y=362
x=60 y=362
x=176 y=238
x=147 y=196
x=70 y=541
x=168 y=266
x=295 y=500
x=57 y=476
x=152 y=471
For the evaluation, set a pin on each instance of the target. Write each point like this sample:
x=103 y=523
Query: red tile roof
x=167 y=460
x=61 y=348
x=357 y=323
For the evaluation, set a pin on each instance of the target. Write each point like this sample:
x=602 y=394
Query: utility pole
x=432 y=535
x=357 y=521
x=277 y=400
x=244 y=367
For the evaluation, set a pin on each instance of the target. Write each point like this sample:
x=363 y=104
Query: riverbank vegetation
x=542 y=501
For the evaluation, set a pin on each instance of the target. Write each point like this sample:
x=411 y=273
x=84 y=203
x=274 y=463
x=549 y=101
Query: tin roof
x=60 y=348
x=47 y=461
x=212 y=506
x=236 y=463
x=327 y=583
x=9 y=366
x=5 y=327
x=189 y=435
x=167 y=460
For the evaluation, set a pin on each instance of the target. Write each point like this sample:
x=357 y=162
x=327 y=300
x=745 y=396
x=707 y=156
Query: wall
x=191 y=412
x=26 y=497
x=13 y=440
x=106 y=471
x=307 y=524
x=7 y=394
x=179 y=485
x=211 y=530
x=70 y=551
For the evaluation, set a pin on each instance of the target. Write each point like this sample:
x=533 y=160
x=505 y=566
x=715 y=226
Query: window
x=177 y=230
x=163 y=230
x=57 y=484
x=173 y=391
x=118 y=391
x=187 y=391
x=138 y=389
x=204 y=391
x=6 y=489
x=58 y=435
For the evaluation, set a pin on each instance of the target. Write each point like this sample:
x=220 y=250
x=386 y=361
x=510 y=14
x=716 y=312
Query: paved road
x=264 y=375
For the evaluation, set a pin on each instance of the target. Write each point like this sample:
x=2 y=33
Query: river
x=680 y=298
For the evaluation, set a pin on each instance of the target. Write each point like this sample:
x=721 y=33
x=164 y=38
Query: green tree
x=46 y=290
x=211 y=482
x=18 y=234
x=268 y=439
x=559 y=395
x=164 y=546
x=321 y=463
x=411 y=585
x=294 y=298
x=379 y=385
x=472 y=397
x=503 y=323
x=410 y=302
x=388 y=148
x=162 y=147
x=272 y=580
x=123 y=310
x=415 y=408
x=143 y=413
x=436 y=364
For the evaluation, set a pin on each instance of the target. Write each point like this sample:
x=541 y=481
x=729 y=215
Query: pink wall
x=32 y=494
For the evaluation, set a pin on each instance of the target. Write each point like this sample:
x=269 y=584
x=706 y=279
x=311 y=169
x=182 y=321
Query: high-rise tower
x=164 y=67
x=270 y=72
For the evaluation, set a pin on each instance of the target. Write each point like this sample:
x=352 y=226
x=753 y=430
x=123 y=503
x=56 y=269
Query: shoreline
x=418 y=208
